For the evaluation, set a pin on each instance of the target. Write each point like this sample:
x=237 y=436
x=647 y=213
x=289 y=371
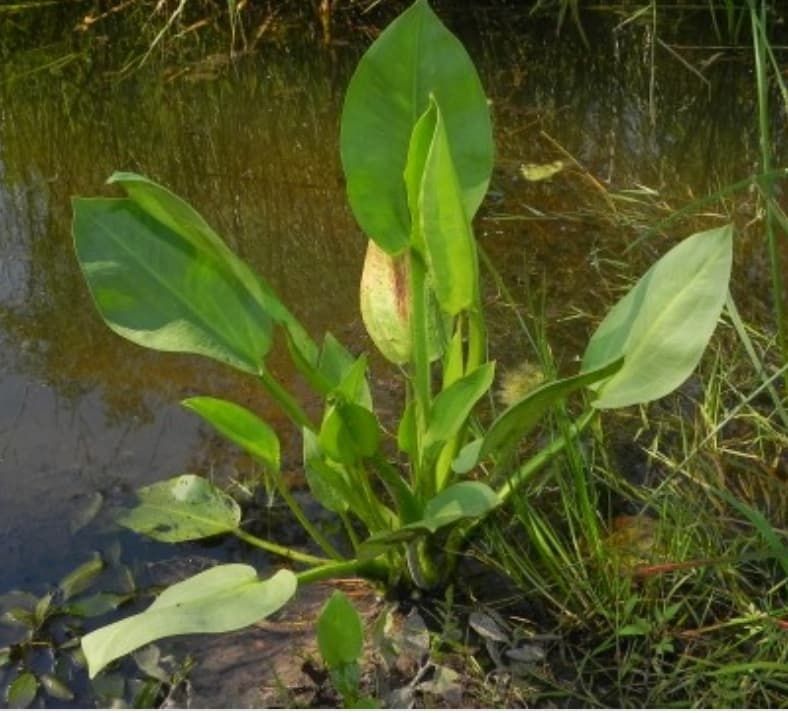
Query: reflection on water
x=256 y=151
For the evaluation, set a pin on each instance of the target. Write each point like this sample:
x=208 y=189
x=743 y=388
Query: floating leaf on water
x=486 y=627
x=186 y=507
x=42 y=610
x=20 y=616
x=5 y=655
x=96 y=604
x=541 y=171
x=22 y=691
x=82 y=577
x=56 y=688
x=527 y=653
x=86 y=513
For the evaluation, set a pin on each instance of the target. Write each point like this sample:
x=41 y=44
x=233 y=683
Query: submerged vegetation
x=641 y=546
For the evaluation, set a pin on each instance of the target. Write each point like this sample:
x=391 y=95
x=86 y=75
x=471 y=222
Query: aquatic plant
x=417 y=150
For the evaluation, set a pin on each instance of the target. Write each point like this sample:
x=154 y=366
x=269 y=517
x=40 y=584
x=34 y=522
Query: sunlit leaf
x=241 y=426
x=453 y=405
x=460 y=501
x=340 y=635
x=468 y=499
x=186 y=507
x=445 y=228
x=153 y=288
x=413 y=57
x=468 y=457
x=223 y=598
x=349 y=432
x=664 y=323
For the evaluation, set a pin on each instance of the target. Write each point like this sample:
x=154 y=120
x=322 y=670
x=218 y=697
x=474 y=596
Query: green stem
x=294 y=555
x=299 y=514
x=455 y=542
x=350 y=530
x=371 y=569
x=421 y=360
x=535 y=464
x=286 y=401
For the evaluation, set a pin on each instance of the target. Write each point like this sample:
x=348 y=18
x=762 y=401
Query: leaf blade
x=414 y=56
x=240 y=425
x=223 y=598
x=183 y=508
x=664 y=322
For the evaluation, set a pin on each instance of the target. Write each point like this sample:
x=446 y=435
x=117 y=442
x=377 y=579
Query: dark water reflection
x=255 y=149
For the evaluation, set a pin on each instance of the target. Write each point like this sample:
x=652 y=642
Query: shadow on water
x=255 y=149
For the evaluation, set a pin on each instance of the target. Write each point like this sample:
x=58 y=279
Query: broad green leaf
x=80 y=578
x=349 y=432
x=515 y=423
x=445 y=228
x=415 y=56
x=223 y=598
x=340 y=634
x=468 y=499
x=172 y=211
x=327 y=482
x=453 y=405
x=186 y=507
x=664 y=323
x=468 y=457
x=453 y=363
x=155 y=288
x=241 y=426
x=22 y=691
x=335 y=360
x=353 y=386
x=418 y=150
x=406 y=430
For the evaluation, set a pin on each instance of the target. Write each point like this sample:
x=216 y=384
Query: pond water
x=253 y=144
